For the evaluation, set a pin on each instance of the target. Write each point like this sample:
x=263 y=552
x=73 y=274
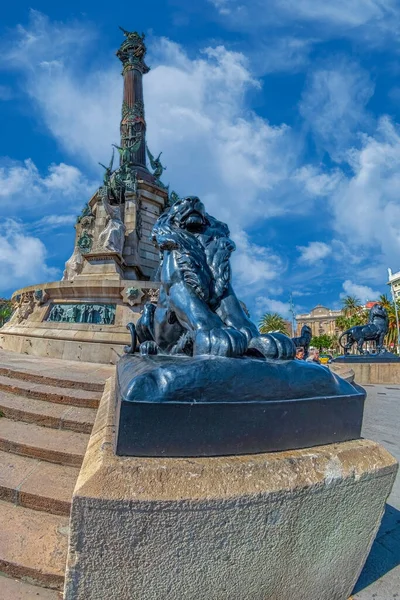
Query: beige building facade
x=321 y=319
x=394 y=282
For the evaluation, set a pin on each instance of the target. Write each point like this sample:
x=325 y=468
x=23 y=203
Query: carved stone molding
x=132 y=295
x=24 y=306
x=152 y=295
x=40 y=297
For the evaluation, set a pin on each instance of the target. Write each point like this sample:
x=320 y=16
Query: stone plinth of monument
x=296 y=525
x=373 y=357
x=371 y=371
x=91 y=326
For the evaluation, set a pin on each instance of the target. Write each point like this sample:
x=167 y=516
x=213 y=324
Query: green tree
x=273 y=322
x=323 y=342
x=353 y=314
x=386 y=303
x=343 y=323
x=5 y=311
x=351 y=305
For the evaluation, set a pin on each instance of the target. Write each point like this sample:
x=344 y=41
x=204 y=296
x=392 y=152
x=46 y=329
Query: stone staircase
x=47 y=410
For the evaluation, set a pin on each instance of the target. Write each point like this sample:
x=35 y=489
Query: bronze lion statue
x=304 y=340
x=198 y=312
x=375 y=330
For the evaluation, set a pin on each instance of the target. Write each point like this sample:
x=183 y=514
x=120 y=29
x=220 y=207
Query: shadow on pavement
x=385 y=551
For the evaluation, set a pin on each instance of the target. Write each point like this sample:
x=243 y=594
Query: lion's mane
x=204 y=267
x=378 y=316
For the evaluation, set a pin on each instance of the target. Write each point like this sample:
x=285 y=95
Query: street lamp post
x=395 y=310
x=293 y=315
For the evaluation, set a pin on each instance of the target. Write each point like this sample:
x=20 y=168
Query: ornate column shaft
x=133 y=124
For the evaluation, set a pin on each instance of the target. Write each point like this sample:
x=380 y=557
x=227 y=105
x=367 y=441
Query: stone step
x=72 y=397
x=60 y=382
x=33 y=545
x=56 y=372
x=53 y=445
x=12 y=589
x=46 y=414
x=36 y=484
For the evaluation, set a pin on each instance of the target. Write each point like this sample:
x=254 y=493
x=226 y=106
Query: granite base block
x=215 y=406
x=296 y=525
x=383 y=357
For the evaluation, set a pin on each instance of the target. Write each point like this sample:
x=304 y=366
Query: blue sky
x=282 y=115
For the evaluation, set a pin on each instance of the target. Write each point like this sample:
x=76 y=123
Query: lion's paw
x=274 y=345
x=148 y=348
x=220 y=341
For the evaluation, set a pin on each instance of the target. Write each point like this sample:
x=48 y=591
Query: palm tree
x=273 y=322
x=392 y=334
x=351 y=305
x=343 y=323
x=354 y=313
x=384 y=300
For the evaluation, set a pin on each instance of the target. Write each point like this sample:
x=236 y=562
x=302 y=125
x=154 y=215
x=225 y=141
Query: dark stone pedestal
x=383 y=357
x=212 y=406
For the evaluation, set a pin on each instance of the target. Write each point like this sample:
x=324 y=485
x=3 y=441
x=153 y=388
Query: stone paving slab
x=380 y=579
x=33 y=545
x=12 y=589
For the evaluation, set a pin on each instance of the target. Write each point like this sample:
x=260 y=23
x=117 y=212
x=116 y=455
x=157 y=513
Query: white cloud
x=282 y=53
x=362 y=292
x=282 y=34
x=341 y=12
x=242 y=167
x=79 y=107
x=370 y=20
x=313 y=252
x=22 y=258
x=224 y=6
x=316 y=182
x=265 y=304
x=333 y=104
x=56 y=220
x=22 y=186
x=253 y=266
x=366 y=205
x=49 y=223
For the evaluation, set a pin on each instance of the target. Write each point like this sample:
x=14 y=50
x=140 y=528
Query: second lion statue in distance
x=198 y=312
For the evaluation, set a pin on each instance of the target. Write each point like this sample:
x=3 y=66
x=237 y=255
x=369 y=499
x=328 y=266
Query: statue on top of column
x=132 y=51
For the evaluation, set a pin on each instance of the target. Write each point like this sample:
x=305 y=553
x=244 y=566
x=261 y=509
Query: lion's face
x=378 y=311
x=189 y=213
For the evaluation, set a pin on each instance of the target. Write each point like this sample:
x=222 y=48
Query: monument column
x=133 y=124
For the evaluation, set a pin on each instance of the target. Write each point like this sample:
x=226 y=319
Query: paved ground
x=380 y=579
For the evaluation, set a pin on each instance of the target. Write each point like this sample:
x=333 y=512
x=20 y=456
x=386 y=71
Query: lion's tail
x=345 y=333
